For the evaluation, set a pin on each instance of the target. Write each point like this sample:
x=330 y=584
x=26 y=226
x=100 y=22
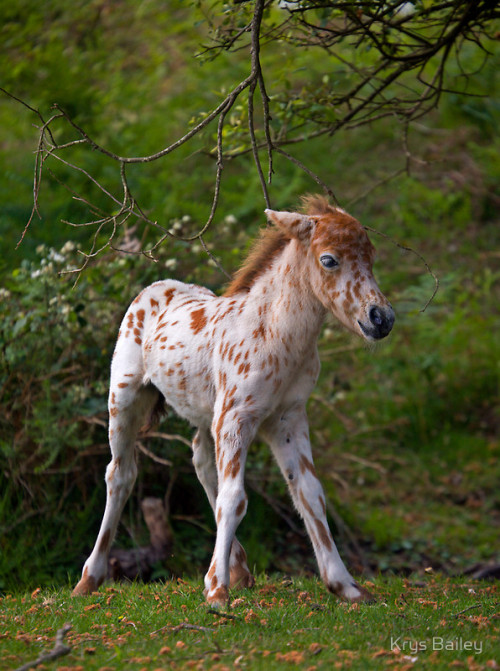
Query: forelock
x=315 y=204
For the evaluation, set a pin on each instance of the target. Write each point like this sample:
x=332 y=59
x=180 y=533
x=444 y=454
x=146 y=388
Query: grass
x=405 y=437
x=426 y=621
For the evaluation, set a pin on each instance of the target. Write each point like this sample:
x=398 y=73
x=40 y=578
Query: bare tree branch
x=404 y=76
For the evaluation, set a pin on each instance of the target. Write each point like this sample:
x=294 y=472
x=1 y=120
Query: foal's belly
x=186 y=386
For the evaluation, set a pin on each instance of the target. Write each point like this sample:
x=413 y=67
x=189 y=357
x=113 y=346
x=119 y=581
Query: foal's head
x=339 y=264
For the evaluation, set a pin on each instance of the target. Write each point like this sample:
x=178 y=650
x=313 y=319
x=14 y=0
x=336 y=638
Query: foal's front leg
x=288 y=436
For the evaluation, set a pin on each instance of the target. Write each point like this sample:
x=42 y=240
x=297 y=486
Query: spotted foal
x=240 y=365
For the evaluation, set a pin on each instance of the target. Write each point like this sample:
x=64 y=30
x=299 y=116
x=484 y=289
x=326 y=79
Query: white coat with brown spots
x=239 y=365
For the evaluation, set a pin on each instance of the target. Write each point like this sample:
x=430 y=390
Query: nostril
x=381 y=322
x=376 y=316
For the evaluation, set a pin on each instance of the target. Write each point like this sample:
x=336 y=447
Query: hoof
x=241 y=579
x=87 y=585
x=364 y=595
x=351 y=592
x=218 y=598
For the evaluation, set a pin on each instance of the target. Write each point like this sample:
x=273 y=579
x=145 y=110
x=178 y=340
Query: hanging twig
x=418 y=255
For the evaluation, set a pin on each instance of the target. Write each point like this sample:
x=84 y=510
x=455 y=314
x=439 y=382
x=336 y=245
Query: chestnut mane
x=268 y=245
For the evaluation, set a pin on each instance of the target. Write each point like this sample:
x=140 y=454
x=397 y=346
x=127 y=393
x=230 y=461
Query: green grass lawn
x=426 y=621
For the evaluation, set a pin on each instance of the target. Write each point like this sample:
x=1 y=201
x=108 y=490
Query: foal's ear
x=295 y=225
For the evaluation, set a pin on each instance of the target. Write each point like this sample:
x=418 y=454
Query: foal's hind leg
x=204 y=464
x=129 y=404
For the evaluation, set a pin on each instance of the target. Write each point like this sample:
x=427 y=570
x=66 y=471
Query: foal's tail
x=158 y=411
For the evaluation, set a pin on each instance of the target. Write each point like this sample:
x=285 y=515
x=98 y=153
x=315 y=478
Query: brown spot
x=306 y=465
x=104 y=544
x=188 y=302
x=154 y=304
x=140 y=316
x=213 y=583
x=198 y=320
x=305 y=503
x=211 y=570
x=260 y=332
x=233 y=467
x=169 y=294
x=222 y=380
x=113 y=411
x=227 y=405
x=240 y=507
x=138 y=340
x=123 y=384
x=324 y=535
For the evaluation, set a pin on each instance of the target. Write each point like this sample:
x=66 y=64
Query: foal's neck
x=293 y=311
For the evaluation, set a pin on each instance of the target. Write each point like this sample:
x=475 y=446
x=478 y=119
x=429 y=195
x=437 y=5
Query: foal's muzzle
x=380 y=324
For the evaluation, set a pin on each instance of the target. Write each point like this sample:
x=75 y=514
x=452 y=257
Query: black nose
x=381 y=322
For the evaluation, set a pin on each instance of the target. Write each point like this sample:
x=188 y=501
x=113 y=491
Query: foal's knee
x=120 y=475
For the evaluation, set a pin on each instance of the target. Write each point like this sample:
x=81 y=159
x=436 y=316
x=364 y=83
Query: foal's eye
x=328 y=261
